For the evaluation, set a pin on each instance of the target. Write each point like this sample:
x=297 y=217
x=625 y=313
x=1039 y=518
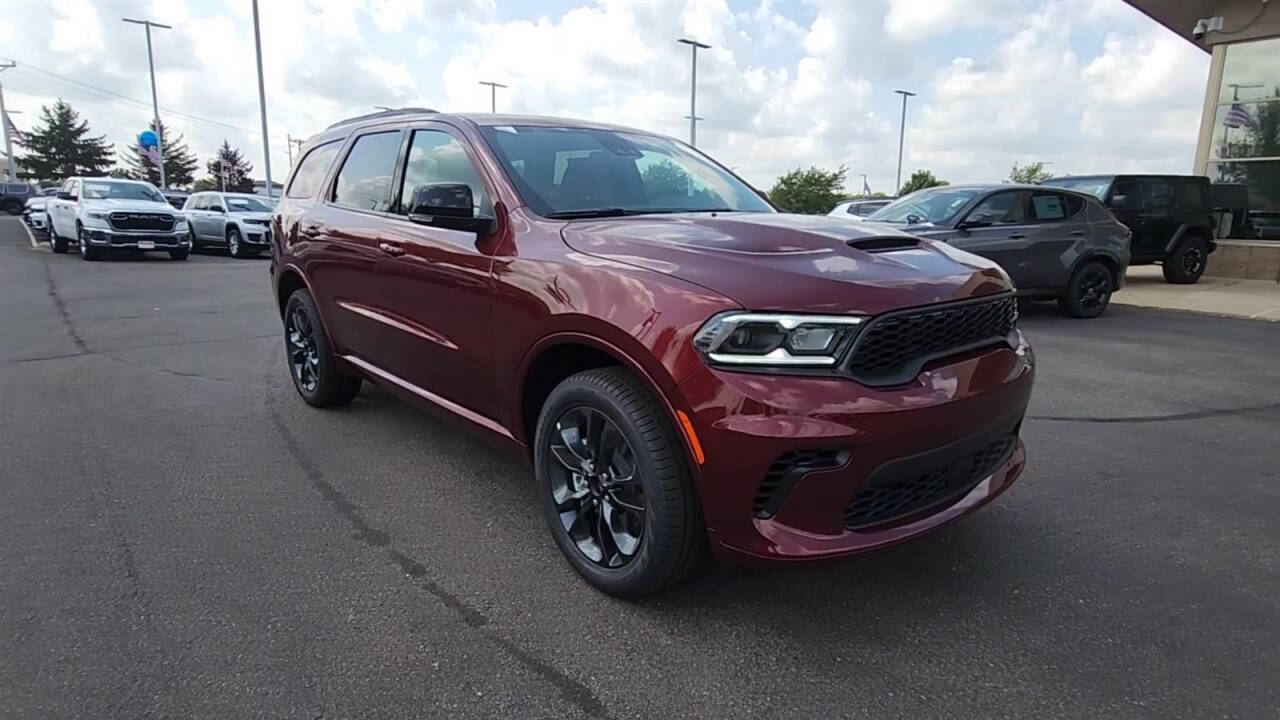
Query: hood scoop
x=886 y=243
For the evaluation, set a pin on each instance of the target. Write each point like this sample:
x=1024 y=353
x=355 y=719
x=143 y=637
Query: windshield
x=563 y=172
x=1095 y=186
x=932 y=205
x=247 y=204
x=121 y=191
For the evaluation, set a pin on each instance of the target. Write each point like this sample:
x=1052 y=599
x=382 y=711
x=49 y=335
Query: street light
x=493 y=94
x=4 y=123
x=693 y=89
x=155 y=104
x=262 y=102
x=902 y=134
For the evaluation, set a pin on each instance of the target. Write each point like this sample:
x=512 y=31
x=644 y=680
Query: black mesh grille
x=141 y=221
x=893 y=348
x=784 y=473
x=897 y=497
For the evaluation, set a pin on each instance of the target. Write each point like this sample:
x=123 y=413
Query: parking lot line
x=30 y=235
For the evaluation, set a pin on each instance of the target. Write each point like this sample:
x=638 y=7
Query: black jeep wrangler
x=1169 y=216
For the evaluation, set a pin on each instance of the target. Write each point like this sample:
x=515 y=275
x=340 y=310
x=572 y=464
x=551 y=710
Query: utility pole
x=493 y=94
x=693 y=89
x=902 y=134
x=4 y=120
x=293 y=141
x=155 y=104
x=262 y=102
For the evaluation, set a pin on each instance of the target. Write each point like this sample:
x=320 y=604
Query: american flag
x=1239 y=117
x=14 y=132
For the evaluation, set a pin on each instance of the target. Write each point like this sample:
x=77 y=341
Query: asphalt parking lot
x=182 y=536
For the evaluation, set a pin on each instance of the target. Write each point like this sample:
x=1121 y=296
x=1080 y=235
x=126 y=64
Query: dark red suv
x=684 y=366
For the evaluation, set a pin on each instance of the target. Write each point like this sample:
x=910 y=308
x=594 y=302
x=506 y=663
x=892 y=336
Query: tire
x=14 y=207
x=180 y=253
x=191 y=239
x=1088 y=292
x=235 y=244
x=86 y=252
x=310 y=349
x=1187 y=262
x=58 y=243
x=671 y=539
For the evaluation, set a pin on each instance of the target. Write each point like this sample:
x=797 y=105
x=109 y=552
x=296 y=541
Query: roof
x=342 y=128
x=1179 y=17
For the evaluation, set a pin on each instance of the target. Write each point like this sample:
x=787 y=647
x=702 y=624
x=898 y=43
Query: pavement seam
x=571 y=690
x=1193 y=415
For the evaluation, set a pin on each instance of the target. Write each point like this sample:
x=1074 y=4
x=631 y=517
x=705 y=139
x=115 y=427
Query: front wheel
x=57 y=242
x=235 y=244
x=87 y=251
x=1088 y=291
x=312 y=364
x=614 y=486
x=180 y=253
x=1187 y=262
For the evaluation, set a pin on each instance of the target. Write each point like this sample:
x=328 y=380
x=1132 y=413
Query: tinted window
x=1047 y=207
x=364 y=181
x=311 y=171
x=938 y=205
x=1001 y=208
x=1191 y=196
x=1074 y=204
x=1127 y=194
x=1161 y=195
x=436 y=157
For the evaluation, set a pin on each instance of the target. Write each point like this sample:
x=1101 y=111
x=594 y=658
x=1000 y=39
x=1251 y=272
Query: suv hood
x=263 y=216
x=112 y=204
x=777 y=261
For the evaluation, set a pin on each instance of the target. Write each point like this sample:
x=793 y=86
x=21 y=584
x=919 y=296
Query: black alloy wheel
x=1089 y=291
x=312 y=365
x=1187 y=262
x=304 y=358
x=596 y=488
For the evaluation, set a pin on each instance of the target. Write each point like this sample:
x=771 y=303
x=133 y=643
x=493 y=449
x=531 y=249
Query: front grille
x=141 y=221
x=786 y=471
x=894 y=347
x=896 y=497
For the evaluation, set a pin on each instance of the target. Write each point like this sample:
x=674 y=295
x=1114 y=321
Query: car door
x=195 y=214
x=1057 y=235
x=340 y=254
x=437 y=280
x=215 y=218
x=1127 y=200
x=998 y=228
x=1161 y=220
x=64 y=219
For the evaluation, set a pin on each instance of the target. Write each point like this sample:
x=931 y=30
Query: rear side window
x=1191 y=196
x=1074 y=204
x=195 y=202
x=364 y=182
x=1161 y=195
x=311 y=171
x=1047 y=207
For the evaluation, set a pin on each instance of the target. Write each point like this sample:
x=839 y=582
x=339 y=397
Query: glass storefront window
x=1245 y=142
x=1247 y=129
x=1262 y=178
x=1250 y=71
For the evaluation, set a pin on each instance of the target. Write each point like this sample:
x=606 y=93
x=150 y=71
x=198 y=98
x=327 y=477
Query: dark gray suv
x=1054 y=243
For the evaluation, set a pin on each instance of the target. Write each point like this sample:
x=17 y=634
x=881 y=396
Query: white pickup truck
x=103 y=215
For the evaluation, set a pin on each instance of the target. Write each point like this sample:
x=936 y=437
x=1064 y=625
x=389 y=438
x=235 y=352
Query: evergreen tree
x=179 y=162
x=237 y=169
x=61 y=147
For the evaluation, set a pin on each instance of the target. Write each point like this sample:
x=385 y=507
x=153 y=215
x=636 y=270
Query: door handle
x=392 y=250
x=1078 y=233
x=1016 y=236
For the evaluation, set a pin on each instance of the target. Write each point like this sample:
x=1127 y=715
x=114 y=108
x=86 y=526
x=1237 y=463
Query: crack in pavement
x=1193 y=415
x=571 y=690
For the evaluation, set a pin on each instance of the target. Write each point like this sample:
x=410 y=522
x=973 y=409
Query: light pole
x=902 y=134
x=493 y=94
x=4 y=121
x=693 y=89
x=262 y=103
x=155 y=104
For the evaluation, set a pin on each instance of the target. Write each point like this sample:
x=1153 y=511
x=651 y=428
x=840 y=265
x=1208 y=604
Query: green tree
x=179 y=162
x=61 y=147
x=122 y=173
x=237 y=169
x=812 y=192
x=920 y=180
x=1029 y=174
x=665 y=178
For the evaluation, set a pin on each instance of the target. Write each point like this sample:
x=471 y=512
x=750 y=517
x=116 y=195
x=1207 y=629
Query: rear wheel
x=1088 y=292
x=1187 y=262
x=312 y=364
x=14 y=207
x=614 y=487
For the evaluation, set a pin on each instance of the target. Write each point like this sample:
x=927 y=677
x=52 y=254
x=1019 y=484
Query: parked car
x=237 y=221
x=679 y=362
x=35 y=214
x=1170 y=217
x=14 y=196
x=858 y=209
x=1266 y=224
x=1053 y=243
x=176 y=198
x=105 y=215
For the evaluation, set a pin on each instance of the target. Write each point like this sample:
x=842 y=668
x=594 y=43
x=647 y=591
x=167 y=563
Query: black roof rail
x=381 y=114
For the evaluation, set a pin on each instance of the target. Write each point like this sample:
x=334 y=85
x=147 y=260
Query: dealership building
x=1239 y=140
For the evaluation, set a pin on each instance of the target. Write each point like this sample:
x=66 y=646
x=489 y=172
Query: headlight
x=776 y=339
x=97 y=214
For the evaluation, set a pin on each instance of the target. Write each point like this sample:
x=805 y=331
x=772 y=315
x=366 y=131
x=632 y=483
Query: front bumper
x=35 y=220
x=951 y=431
x=138 y=240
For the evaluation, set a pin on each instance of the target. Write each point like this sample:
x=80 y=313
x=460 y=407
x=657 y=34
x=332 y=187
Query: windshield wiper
x=594 y=213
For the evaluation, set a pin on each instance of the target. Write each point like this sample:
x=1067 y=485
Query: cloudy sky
x=1087 y=85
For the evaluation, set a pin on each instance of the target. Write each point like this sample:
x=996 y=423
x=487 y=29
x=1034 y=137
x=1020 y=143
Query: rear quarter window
x=311 y=171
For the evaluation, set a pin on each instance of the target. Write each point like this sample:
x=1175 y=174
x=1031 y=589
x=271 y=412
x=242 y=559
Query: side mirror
x=65 y=195
x=977 y=221
x=1120 y=202
x=448 y=205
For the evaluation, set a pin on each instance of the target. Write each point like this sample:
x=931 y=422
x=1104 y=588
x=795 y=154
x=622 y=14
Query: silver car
x=1054 y=243
x=240 y=222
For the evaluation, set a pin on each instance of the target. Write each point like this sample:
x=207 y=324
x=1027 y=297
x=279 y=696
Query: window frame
x=331 y=182
x=1026 y=199
x=402 y=165
x=1062 y=198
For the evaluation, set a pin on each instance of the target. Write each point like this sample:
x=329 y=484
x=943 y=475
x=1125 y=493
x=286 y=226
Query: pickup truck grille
x=141 y=221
